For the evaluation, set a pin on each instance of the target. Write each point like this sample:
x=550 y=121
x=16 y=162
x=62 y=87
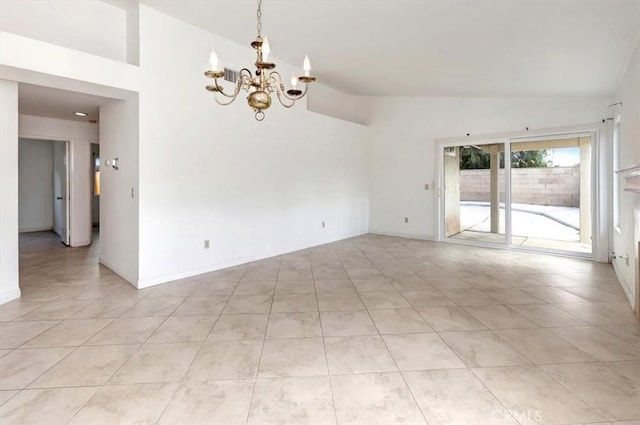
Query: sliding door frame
x=593 y=136
x=599 y=192
x=441 y=145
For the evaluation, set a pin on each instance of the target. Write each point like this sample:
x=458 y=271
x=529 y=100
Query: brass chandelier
x=265 y=81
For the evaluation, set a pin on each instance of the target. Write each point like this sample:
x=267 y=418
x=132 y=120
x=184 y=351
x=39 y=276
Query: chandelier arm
x=220 y=102
x=278 y=83
x=245 y=79
x=275 y=79
x=282 y=102
x=275 y=76
x=238 y=85
x=230 y=96
x=247 y=71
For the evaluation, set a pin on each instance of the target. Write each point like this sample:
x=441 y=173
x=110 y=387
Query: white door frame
x=599 y=191
x=66 y=238
x=69 y=174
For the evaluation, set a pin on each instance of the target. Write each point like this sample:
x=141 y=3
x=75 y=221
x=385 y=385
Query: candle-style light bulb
x=266 y=49
x=294 y=81
x=215 y=62
x=306 y=66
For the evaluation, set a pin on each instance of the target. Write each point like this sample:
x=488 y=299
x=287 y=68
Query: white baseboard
x=419 y=236
x=35 y=229
x=624 y=284
x=157 y=280
x=10 y=296
x=133 y=281
x=81 y=243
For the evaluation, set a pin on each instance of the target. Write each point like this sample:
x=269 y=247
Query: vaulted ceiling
x=416 y=48
x=438 y=47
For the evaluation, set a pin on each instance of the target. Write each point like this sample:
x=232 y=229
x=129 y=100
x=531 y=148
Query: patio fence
x=556 y=186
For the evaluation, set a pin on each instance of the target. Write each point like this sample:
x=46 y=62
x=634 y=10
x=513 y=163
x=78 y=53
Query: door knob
x=59 y=198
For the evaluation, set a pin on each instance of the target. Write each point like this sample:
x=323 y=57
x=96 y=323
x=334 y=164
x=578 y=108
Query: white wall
x=9 y=289
x=90 y=26
x=210 y=172
x=80 y=135
x=626 y=241
x=119 y=213
x=35 y=185
x=27 y=60
x=402 y=134
x=334 y=103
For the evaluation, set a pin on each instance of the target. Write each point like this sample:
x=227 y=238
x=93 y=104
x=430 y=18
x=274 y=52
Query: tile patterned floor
x=370 y=330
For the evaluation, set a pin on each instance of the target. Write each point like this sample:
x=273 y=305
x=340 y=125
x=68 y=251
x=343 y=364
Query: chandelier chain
x=259 y=16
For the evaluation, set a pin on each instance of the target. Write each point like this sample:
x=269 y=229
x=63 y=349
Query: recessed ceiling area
x=437 y=47
x=60 y=104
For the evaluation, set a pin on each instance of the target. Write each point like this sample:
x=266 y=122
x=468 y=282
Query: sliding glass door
x=551 y=182
x=539 y=199
x=474 y=193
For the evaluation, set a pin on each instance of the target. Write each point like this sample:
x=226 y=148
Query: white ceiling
x=55 y=103
x=438 y=47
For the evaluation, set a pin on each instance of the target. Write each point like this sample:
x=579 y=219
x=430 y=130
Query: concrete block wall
x=556 y=186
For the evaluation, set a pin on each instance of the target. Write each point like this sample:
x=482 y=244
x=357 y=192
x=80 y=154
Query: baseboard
x=35 y=229
x=116 y=270
x=623 y=283
x=80 y=243
x=422 y=237
x=157 y=280
x=10 y=296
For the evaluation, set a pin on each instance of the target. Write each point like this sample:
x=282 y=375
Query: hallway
x=369 y=330
x=50 y=271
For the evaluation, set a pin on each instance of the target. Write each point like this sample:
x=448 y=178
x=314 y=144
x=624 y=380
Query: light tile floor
x=370 y=330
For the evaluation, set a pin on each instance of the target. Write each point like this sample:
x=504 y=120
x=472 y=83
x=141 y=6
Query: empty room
x=233 y=212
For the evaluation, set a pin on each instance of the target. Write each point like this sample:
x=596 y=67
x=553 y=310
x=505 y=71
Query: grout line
x=506 y=408
x=324 y=346
x=387 y=261
x=106 y=382
x=255 y=377
x=182 y=381
x=384 y=342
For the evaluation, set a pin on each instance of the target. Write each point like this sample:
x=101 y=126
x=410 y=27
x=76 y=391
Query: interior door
x=61 y=190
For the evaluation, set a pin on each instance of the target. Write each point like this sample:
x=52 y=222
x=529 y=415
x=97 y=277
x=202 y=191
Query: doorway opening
x=540 y=199
x=95 y=191
x=43 y=187
x=474 y=193
x=99 y=261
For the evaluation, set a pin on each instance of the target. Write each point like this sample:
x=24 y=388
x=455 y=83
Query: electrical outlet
x=323 y=225
x=207 y=244
x=406 y=219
